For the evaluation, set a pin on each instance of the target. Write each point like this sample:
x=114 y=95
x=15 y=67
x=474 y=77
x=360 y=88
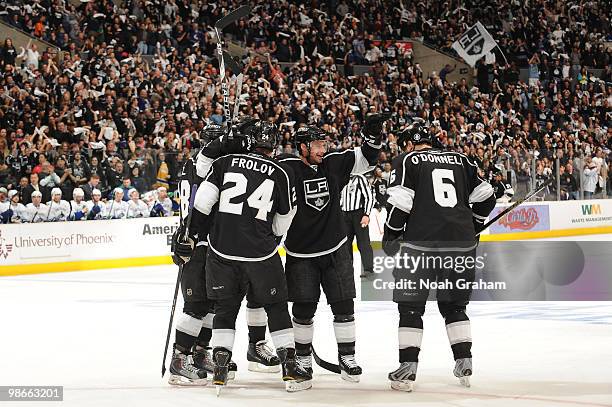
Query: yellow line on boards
x=70 y=266
x=66 y=266
x=543 y=234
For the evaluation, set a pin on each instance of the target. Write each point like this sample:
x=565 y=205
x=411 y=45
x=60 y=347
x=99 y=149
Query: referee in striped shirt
x=357 y=202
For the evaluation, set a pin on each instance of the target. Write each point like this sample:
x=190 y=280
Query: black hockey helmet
x=307 y=134
x=417 y=134
x=212 y=132
x=265 y=135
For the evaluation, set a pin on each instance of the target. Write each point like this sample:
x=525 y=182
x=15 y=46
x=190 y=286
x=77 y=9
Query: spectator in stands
x=88 y=188
x=8 y=54
x=590 y=178
x=35 y=186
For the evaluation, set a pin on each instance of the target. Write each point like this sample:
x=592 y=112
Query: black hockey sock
x=187 y=330
x=410 y=335
x=344 y=326
x=224 y=324
x=256 y=321
x=459 y=334
x=280 y=325
x=303 y=327
x=206 y=331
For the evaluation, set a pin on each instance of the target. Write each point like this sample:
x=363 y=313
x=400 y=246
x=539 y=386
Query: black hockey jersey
x=318 y=227
x=255 y=202
x=436 y=189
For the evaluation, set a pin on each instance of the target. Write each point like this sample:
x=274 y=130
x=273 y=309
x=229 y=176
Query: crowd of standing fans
x=124 y=105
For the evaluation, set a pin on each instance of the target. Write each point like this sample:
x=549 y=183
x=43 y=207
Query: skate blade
x=465 y=381
x=177 y=380
x=350 y=378
x=293 y=386
x=403 y=385
x=218 y=389
x=261 y=368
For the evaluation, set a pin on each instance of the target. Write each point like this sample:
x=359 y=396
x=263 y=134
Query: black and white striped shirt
x=357 y=194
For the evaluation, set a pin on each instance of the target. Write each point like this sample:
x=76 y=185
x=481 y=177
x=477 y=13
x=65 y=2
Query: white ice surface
x=100 y=334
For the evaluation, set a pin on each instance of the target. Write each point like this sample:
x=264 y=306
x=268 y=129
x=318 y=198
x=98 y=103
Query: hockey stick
x=223 y=22
x=334 y=368
x=517 y=203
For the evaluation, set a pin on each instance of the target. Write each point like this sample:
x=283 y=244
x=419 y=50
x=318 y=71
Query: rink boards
x=105 y=244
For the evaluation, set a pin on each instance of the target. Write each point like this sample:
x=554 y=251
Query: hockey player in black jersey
x=315 y=254
x=253 y=198
x=437 y=203
x=192 y=361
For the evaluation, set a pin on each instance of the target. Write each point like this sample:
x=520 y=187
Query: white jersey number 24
x=260 y=199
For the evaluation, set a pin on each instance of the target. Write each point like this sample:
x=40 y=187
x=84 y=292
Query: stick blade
x=234 y=15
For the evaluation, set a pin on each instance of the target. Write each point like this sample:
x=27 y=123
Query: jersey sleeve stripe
x=361 y=163
x=281 y=223
x=401 y=197
x=203 y=165
x=481 y=193
x=206 y=197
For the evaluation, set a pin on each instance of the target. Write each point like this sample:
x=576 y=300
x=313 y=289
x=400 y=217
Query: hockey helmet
x=416 y=133
x=307 y=134
x=265 y=135
x=213 y=131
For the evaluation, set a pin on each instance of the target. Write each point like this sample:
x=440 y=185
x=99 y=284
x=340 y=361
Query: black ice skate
x=295 y=378
x=304 y=362
x=463 y=370
x=349 y=369
x=403 y=377
x=183 y=372
x=261 y=359
x=222 y=358
x=202 y=358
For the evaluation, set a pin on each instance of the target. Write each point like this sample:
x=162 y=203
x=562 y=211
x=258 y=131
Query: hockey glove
x=158 y=210
x=78 y=215
x=372 y=131
x=182 y=247
x=5 y=217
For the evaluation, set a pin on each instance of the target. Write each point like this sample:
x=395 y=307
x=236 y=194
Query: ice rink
x=100 y=334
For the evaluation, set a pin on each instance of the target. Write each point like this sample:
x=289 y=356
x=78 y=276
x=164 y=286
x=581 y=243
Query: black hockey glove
x=239 y=144
x=372 y=130
x=182 y=247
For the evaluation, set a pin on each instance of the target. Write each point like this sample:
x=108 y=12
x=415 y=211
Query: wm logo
x=591 y=209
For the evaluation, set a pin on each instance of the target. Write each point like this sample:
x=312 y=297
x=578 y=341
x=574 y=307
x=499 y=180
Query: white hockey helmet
x=56 y=191
x=78 y=192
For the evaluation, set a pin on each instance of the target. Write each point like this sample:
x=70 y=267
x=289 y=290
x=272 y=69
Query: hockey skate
x=261 y=359
x=222 y=359
x=463 y=370
x=294 y=376
x=203 y=360
x=304 y=362
x=403 y=377
x=349 y=369
x=183 y=372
